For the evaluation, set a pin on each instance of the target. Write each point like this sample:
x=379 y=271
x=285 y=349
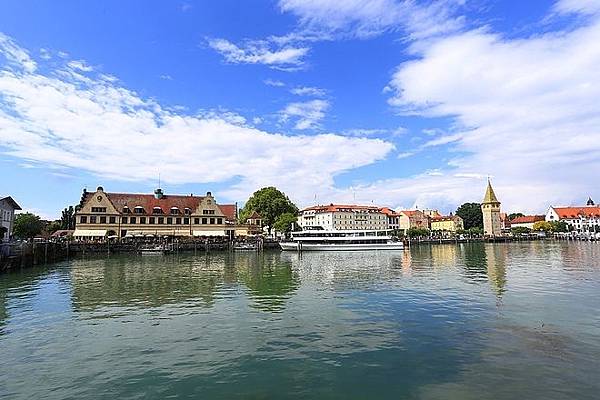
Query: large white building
x=580 y=219
x=343 y=217
x=7 y=217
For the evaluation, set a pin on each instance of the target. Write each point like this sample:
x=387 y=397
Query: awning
x=89 y=233
x=210 y=233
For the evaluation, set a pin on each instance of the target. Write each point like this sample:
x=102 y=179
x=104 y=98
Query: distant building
x=101 y=214
x=448 y=223
x=580 y=219
x=413 y=219
x=490 y=208
x=526 y=221
x=343 y=217
x=8 y=206
x=431 y=213
x=393 y=218
x=504 y=222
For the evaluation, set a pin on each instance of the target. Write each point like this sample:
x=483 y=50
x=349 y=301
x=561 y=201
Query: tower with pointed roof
x=491 y=212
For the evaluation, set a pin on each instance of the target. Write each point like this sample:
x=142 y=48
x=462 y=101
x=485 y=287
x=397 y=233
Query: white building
x=582 y=219
x=343 y=217
x=7 y=217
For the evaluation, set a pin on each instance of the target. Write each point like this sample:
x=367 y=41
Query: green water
x=504 y=321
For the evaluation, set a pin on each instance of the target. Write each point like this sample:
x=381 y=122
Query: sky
x=398 y=103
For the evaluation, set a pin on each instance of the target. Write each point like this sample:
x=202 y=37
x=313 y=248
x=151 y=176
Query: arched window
x=174 y=211
x=157 y=210
x=139 y=210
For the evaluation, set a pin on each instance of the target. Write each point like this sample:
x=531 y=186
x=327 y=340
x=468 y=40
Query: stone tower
x=491 y=212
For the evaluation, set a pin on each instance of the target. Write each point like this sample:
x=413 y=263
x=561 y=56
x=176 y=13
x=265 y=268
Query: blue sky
x=399 y=103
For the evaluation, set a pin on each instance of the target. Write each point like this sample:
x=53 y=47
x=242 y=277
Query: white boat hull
x=293 y=246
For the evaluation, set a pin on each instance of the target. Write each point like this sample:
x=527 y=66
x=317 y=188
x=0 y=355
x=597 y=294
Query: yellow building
x=101 y=214
x=450 y=223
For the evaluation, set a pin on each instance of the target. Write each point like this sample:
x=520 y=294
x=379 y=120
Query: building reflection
x=486 y=262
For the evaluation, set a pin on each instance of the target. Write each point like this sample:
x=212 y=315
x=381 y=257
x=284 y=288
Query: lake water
x=471 y=321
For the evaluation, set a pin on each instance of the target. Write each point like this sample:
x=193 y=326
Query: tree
x=27 y=226
x=475 y=231
x=67 y=220
x=285 y=222
x=542 y=226
x=54 y=226
x=270 y=203
x=520 y=230
x=515 y=215
x=559 y=226
x=417 y=232
x=471 y=215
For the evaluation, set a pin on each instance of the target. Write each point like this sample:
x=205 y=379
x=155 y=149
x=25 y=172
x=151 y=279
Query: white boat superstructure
x=336 y=240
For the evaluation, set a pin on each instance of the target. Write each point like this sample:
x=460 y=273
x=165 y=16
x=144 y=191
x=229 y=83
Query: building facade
x=413 y=219
x=122 y=215
x=343 y=217
x=490 y=208
x=8 y=206
x=448 y=223
x=579 y=219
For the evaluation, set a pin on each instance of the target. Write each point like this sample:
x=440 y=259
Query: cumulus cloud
x=285 y=57
x=273 y=82
x=307 y=115
x=525 y=111
x=91 y=124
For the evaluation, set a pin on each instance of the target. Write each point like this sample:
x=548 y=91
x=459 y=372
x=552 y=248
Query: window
x=142 y=220
x=219 y=221
x=99 y=209
x=126 y=210
x=102 y=220
x=83 y=219
x=177 y=221
x=152 y=220
x=212 y=221
x=208 y=212
x=174 y=211
x=187 y=211
x=112 y=220
x=124 y=220
x=161 y=220
x=157 y=210
x=197 y=221
x=139 y=210
x=169 y=221
x=186 y=221
x=132 y=220
x=204 y=221
x=93 y=219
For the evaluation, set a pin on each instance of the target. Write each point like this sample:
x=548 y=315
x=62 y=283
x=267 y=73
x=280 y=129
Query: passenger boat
x=336 y=240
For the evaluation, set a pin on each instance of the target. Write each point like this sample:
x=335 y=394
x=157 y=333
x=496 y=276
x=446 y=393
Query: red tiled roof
x=410 y=213
x=443 y=218
x=575 y=212
x=527 y=219
x=228 y=210
x=388 y=211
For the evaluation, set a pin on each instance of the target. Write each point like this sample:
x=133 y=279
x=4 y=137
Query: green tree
x=285 y=222
x=27 y=226
x=475 y=231
x=270 y=203
x=54 y=226
x=471 y=215
x=417 y=232
x=519 y=230
x=559 y=226
x=515 y=215
x=542 y=226
x=67 y=219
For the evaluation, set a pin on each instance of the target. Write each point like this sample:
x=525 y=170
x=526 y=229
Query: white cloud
x=405 y=154
x=525 y=110
x=578 y=6
x=15 y=55
x=80 y=65
x=370 y=132
x=308 y=91
x=166 y=77
x=260 y=52
x=366 y=18
x=307 y=115
x=273 y=82
x=97 y=126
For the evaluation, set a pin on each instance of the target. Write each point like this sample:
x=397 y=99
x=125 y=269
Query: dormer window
x=139 y=210
x=126 y=210
x=187 y=211
x=174 y=211
x=157 y=210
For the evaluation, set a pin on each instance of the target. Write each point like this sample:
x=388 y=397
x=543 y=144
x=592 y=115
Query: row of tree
x=29 y=225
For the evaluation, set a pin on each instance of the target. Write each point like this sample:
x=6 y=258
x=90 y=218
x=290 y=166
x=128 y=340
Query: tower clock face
x=99 y=198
